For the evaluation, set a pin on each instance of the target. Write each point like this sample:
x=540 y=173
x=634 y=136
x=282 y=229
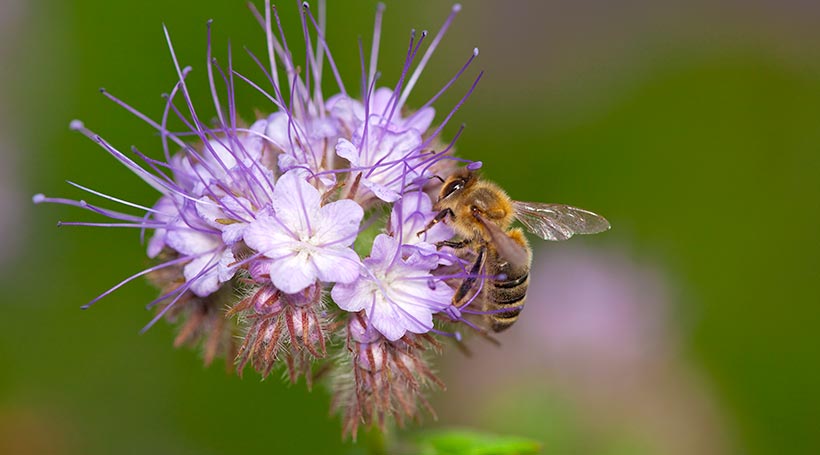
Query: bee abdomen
x=507 y=299
x=503 y=321
x=509 y=295
x=508 y=284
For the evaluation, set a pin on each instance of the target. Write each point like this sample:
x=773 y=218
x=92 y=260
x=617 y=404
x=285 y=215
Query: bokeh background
x=691 y=327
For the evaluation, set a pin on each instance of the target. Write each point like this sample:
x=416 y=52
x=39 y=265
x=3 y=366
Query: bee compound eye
x=451 y=188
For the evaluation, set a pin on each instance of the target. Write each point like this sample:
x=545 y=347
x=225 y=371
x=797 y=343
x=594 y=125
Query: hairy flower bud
x=379 y=378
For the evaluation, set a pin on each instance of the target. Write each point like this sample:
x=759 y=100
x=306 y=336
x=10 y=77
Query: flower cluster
x=298 y=234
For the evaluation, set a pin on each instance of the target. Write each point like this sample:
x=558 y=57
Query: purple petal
x=337 y=266
x=188 y=241
x=207 y=283
x=295 y=202
x=267 y=236
x=421 y=120
x=292 y=274
x=384 y=248
x=338 y=223
x=348 y=151
x=387 y=321
x=382 y=192
x=354 y=296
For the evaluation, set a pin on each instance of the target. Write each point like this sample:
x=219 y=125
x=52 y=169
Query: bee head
x=455 y=183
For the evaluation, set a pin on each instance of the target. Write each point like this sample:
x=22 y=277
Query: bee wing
x=507 y=248
x=558 y=221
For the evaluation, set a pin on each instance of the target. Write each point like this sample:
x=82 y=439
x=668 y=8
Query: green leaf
x=466 y=442
x=364 y=241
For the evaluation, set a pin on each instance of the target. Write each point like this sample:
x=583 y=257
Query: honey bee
x=481 y=213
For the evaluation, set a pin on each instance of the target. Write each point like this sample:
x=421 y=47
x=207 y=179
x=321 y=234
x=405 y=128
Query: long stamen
x=427 y=54
x=447 y=85
x=233 y=136
x=147 y=177
x=452 y=112
x=320 y=57
x=374 y=49
x=330 y=60
x=412 y=49
x=110 y=198
x=270 y=40
x=133 y=277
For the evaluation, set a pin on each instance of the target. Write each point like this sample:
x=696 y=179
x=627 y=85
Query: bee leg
x=439 y=216
x=464 y=289
x=453 y=244
x=469 y=282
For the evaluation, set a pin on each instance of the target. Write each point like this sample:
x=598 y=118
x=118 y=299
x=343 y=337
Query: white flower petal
x=421 y=120
x=295 y=202
x=233 y=233
x=209 y=211
x=293 y=273
x=266 y=235
x=336 y=265
x=384 y=249
x=353 y=296
x=156 y=243
x=348 y=151
x=386 y=320
x=202 y=284
x=385 y=193
x=338 y=223
x=188 y=241
x=226 y=268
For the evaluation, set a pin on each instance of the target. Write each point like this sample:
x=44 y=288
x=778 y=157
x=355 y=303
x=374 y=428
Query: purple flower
x=409 y=217
x=382 y=102
x=385 y=147
x=209 y=266
x=256 y=225
x=305 y=144
x=390 y=159
x=305 y=240
x=397 y=295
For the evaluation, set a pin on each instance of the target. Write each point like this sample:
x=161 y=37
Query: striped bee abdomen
x=509 y=293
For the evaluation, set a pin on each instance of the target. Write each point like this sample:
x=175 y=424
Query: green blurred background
x=693 y=126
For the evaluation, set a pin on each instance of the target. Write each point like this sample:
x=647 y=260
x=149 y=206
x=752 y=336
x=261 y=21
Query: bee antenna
x=434 y=176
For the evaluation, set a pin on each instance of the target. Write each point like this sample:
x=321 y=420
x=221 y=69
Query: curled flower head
x=275 y=231
x=381 y=378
